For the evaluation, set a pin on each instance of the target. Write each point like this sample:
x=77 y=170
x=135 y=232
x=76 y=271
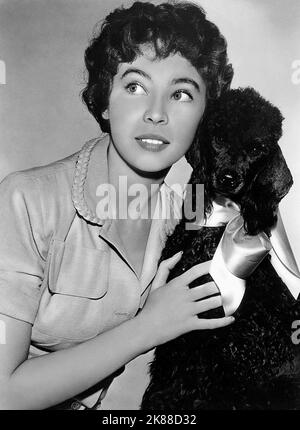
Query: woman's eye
x=182 y=96
x=135 y=88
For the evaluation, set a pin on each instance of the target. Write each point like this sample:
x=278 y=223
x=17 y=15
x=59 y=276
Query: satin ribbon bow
x=239 y=254
x=243 y=253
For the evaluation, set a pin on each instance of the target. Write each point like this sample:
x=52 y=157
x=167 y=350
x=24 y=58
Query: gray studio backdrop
x=42 y=44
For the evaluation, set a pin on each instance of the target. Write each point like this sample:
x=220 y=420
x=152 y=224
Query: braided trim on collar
x=80 y=175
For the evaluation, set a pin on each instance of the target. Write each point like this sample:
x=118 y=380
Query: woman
x=73 y=274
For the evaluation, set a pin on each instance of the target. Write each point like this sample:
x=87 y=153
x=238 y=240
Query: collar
x=91 y=170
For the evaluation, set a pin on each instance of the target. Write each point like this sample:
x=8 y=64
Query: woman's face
x=154 y=109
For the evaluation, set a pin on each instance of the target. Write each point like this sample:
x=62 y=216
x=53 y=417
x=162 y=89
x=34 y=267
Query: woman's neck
x=125 y=178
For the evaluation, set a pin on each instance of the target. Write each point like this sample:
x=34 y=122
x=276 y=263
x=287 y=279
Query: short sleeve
x=21 y=236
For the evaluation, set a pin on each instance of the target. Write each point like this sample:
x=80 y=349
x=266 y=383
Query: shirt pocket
x=71 y=306
x=78 y=271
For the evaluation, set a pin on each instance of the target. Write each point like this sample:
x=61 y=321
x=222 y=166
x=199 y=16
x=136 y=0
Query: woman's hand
x=171 y=308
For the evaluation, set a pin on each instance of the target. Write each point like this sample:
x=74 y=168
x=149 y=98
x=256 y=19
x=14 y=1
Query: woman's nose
x=156 y=113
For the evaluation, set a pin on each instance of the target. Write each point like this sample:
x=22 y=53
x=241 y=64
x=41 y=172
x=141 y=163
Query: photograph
x=149 y=206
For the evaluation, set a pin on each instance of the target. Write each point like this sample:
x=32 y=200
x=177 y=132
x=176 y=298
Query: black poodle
x=251 y=364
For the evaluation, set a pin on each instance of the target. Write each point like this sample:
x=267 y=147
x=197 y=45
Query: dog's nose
x=227 y=180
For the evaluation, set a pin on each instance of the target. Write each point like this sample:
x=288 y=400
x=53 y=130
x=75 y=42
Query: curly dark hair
x=169 y=28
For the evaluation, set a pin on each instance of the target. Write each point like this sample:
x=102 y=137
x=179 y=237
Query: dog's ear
x=259 y=205
x=259 y=209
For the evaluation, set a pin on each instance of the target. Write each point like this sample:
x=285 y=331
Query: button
x=77 y=405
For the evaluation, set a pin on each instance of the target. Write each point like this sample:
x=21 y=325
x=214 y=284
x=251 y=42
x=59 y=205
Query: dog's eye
x=257 y=149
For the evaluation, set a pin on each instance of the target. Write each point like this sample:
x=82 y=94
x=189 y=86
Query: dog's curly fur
x=251 y=364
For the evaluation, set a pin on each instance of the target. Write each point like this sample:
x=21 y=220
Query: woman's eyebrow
x=186 y=81
x=138 y=71
x=174 y=81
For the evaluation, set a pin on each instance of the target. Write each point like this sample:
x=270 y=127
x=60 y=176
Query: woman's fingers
x=164 y=269
x=205 y=324
x=204 y=290
x=193 y=273
x=172 y=309
x=207 y=304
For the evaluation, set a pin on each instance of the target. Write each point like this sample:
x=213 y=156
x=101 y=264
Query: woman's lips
x=152 y=143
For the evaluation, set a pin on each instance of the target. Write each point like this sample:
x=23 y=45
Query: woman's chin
x=149 y=166
x=151 y=171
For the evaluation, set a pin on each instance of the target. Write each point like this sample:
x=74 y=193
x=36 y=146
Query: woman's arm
x=47 y=380
x=44 y=381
